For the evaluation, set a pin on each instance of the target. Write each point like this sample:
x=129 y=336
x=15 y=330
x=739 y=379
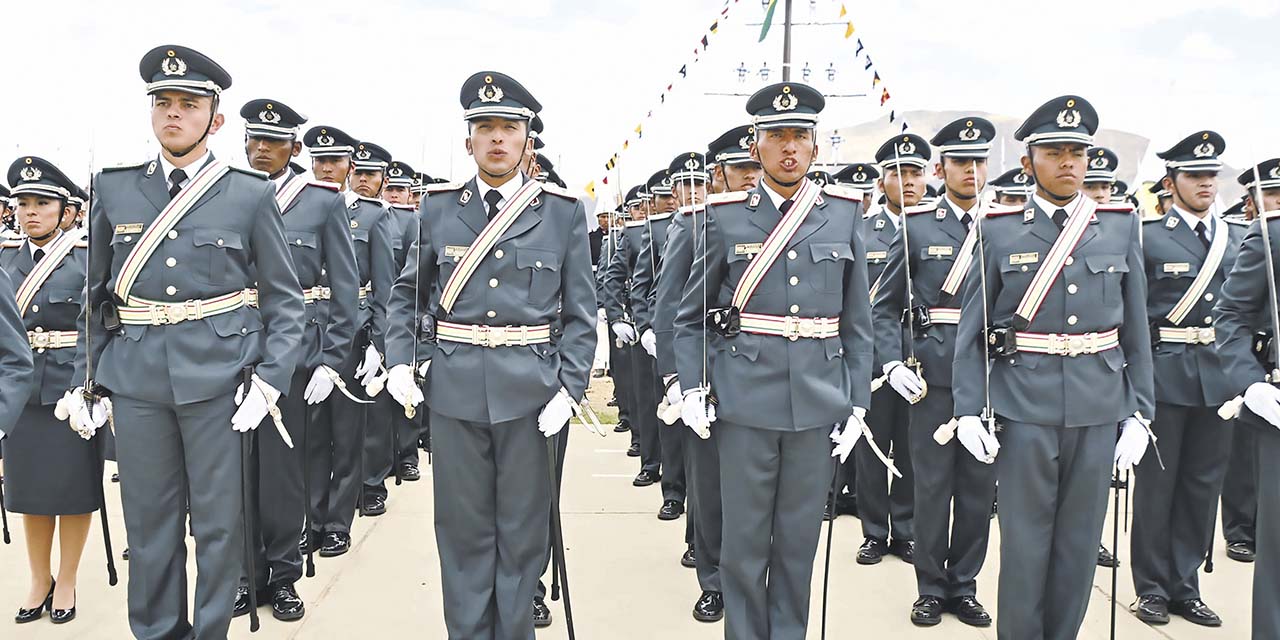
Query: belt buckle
x=39 y=340
x=1204 y=335
x=794 y=328
x=251 y=297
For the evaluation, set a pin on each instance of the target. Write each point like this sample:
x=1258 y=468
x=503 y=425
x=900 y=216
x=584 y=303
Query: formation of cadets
x=271 y=346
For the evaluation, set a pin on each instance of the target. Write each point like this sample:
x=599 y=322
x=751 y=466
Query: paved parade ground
x=624 y=570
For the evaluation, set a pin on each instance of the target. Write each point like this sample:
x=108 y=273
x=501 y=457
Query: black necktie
x=1202 y=232
x=492 y=199
x=37 y=256
x=786 y=206
x=1060 y=218
x=966 y=220
x=176 y=177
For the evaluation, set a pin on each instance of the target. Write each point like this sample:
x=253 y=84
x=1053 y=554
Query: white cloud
x=1202 y=46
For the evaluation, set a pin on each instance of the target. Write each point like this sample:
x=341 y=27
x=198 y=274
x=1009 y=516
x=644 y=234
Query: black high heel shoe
x=63 y=616
x=31 y=615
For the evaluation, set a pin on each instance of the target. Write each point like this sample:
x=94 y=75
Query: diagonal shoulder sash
x=960 y=268
x=778 y=239
x=165 y=222
x=1217 y=249
x=484 y=242
x=290 y=192
x=43 y=269
x=1077 y=221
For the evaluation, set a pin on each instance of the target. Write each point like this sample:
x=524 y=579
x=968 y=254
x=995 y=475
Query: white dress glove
x=674 y=395
x=904 y=380
x=403 y=387
x=254 y=404
x=980 y=443
x=83 y=418
x=650 y=343
x=669 y=407
x=625 y=332
x=1263 y=398
x=322 y=382
x=845 y=438
x=370 y=366
x=1132 y=444
x=697 y=412
x=556 y=414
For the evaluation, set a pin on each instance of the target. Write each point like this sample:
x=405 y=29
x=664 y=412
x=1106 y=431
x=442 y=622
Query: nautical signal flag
x=875 y=81
x=884 y=97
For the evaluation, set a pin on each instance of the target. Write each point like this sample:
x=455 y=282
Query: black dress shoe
x=1196 y=612
x=872 y=551
x=335 y=544
x=622 y=428
x=409 y=472
x=969 y=611
x=829 y=512
x=31 y=615
x=285 y=603
x=115 y=477
x=709 y=607
x=927 y=611
x=63 y=616
x=847 y=505
x=670 y=510
x=1240 y=551
x=541 y=613
x=1105 y=559
x=124 y=555
x=1152 y=609
x=633 y=451
x=310 y=542
x=373 y=505
x=646 y=478
x=424 y=443
x=243 y=603
x=690 y=559
x=904 y=549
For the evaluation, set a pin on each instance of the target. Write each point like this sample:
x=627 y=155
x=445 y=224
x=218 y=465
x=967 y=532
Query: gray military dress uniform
x=778 y=398
x=49 y=469
x=953 y=491
x=316 y=230
x=619 y=306
x=16 y=366
x=492 y=483
x=405 y=218
x=884 y=506
x=173 y=384
x=619 y=356
x=1059 y=413
x=1174 y=507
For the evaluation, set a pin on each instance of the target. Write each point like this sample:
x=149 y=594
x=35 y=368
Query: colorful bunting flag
x=768 y=20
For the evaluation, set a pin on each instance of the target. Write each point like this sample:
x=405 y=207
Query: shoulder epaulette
x=1004 y=211
x=691 y=209
x=125 y=167
x=554 y=189
x=442 y=187
x=403 y=207
x=1151 y=219
x=10 y=244
x=843 y=192
x=1116 y=208
x=377 y=201
x=1272 y=215
x=1237 y=221
x=332 y=186
x=631 y=224
x=661 y=216
x=727 y=197
x=252 y=172
x=82 y=243
x=920 y=208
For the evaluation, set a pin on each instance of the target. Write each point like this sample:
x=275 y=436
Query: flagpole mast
x=786 y=43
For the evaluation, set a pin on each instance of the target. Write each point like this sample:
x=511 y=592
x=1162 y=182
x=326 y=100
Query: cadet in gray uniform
x=1188 y=255
x=404 y=216
x=1071 y=359
x=52 y=476
x=1245 y=309
x=315 y=226
x=1013 y=188
x=174 y=244
x=790 y=361
x=496 y=309
x=931 y=255
x=650 y=248
x=885 y=510
x=619 y=310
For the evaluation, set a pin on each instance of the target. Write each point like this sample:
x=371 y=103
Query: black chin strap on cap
x=1040 y=185
x=780 y=183
x=1178 y=192
x=213 y=113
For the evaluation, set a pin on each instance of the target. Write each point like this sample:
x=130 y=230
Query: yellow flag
x=848 y=31
x=591 y=189
x=843 y=11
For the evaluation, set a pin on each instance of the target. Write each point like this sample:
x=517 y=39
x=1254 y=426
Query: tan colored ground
x=624 y=570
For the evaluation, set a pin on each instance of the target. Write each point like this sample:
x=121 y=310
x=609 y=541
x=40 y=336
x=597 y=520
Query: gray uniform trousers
x=277 y=491
x=1240 y=487
x=953 y=494
x=492 y=543
x=706 y=513
x=671 y=438
x=644 y=417
x=886 y=510
x=562 y=446
x=620 y=372
x=1174 y=508
x=410 y=431
x=379 y=454
x=772 y=483
x=1266 y=568
x=159 y=447
x=1045 y=523
x=334 y=460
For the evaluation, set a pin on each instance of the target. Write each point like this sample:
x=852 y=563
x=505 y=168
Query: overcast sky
x=389 y=71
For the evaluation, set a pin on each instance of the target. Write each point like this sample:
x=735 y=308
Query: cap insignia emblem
x=1068 y=119
x=491 y=93
x=969 y=135
x=1204 y=150
x=269 y=117
x=1099 y=162
x=1021 y=178
x=363 y=154
x=859 y=177
x=785 y=101
x=173 y=66
x=745 y=143
x=1275 y=172
x=906 y=148
x=324 y=141
x=395 y=172
x=30 y=174
x=691 y=164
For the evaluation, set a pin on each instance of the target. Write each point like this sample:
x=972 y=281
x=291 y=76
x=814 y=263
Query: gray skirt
x=48 y=469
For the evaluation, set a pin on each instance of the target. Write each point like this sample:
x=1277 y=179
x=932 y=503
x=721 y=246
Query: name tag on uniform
x=942 y=250
x=132 y=227
x=455 y=251
x=1177 y=267
x=877 y=255
x=747 y=249
x=1024 y=258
